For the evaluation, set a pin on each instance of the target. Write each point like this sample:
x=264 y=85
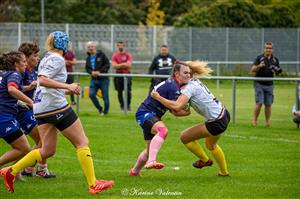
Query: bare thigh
x=75 y=134
x=34 y=134
x=48 y=135
x=21 y=144
x=194 y=133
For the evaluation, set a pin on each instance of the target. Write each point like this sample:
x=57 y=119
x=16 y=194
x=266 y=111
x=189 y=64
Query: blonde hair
x=199 y=68
x=49 y=44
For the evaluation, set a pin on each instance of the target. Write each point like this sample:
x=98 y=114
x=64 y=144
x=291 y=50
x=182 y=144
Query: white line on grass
x=173 y=165
x=263 y=139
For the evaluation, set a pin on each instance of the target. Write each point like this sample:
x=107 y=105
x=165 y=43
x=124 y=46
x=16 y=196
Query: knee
x=84 y=142
x=210 y=146
x=184 y=138
x=162 y=132
x=25 y=149
x=47 y=152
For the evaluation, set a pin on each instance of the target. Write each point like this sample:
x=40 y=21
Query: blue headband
x=61 y=40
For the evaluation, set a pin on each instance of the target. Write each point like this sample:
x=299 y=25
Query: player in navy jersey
x=149 y=116
x=12 y=64
x=204 y=103
x=25 y=116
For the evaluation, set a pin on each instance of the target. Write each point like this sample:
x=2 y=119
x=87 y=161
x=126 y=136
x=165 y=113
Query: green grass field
x=263 y=162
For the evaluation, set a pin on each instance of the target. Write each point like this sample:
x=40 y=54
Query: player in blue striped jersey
x=12 y=64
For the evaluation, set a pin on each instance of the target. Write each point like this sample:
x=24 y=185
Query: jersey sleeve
x=188 y=90
x=14 y=79
x=52 y=67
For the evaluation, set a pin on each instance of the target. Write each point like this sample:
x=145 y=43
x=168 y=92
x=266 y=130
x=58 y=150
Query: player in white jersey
x=53 y=113
x=203 y=102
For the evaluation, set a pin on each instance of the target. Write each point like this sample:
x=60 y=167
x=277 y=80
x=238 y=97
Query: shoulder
x=99 y=53
x=260 y=56
x=115 y=55
x=56 y=59
x=13 y=75
x=172 y=57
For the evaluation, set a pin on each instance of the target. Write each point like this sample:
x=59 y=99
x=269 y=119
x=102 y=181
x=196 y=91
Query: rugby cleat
x=131 y=173
x=26 y=173
x=101 y=185
x=154 y=165
x=200 y=164
x=8 y=178
x=44 y=173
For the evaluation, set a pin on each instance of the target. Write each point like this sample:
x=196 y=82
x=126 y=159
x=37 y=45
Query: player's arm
x=180 y=113
x=73 y=88
x=177 y=105
x=30 y=87
x=14 y=91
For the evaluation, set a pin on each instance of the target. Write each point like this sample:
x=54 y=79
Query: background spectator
x=97 y=63
x=265 y=65
x=70 y=60
x=122 y=62
x=161 y=65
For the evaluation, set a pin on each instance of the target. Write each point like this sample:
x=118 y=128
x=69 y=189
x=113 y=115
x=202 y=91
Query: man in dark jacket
x=161 y=65
x=97 y=63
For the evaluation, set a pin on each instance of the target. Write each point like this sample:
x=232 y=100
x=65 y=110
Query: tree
x=238 y=14
x=9 y=11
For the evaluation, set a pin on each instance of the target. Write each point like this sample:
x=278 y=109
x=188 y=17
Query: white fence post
x=298 y=51
x=154 y=41
x=67 y=29
x=19 y=34
x=190 y=43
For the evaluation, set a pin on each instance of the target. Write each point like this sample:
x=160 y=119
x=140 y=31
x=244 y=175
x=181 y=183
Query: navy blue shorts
x=146 y=119
x=61 y=118
x=9 y=128
x=8 y=124
x=218 y=126
x=27 y=121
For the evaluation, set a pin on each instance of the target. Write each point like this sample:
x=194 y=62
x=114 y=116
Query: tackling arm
x=177 y=105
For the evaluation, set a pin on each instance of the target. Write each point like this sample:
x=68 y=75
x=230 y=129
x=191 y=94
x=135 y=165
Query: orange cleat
x=154 y=165
x=101 y=185
x=8 y=178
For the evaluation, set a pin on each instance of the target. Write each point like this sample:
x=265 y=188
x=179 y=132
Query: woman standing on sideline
x=53 y=113
x=204 y=103
x=12 y=65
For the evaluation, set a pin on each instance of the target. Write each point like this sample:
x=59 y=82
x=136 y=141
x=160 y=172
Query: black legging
x=119 y=86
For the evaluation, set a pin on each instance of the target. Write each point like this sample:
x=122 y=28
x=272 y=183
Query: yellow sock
x=86 y=161
x=196 y=149
x=218 y=155
x=29 y=160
